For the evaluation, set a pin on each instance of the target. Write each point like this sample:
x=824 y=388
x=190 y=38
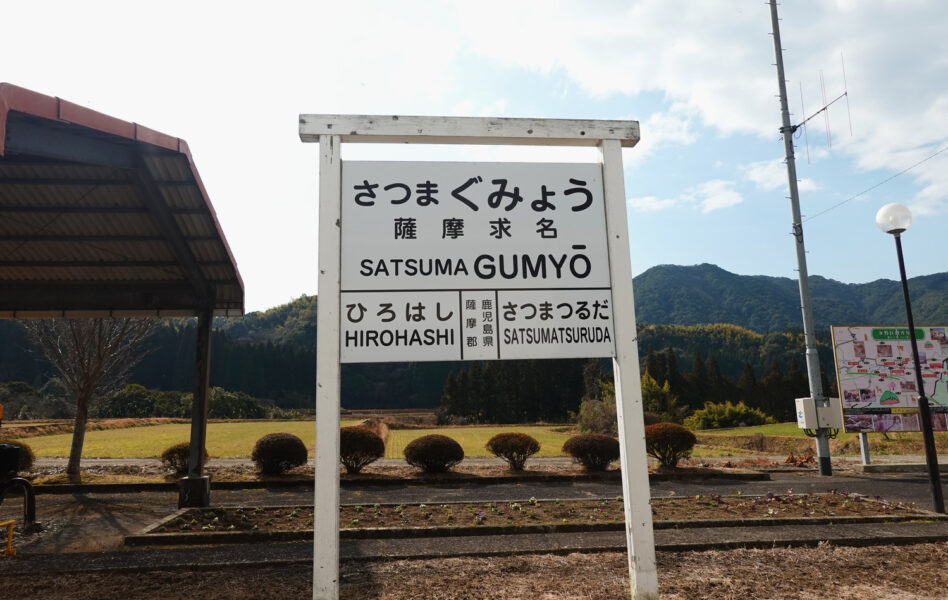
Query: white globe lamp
x=894 y=218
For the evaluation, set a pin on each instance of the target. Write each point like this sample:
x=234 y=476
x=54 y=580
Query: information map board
x=876 y=376
x=474 y=261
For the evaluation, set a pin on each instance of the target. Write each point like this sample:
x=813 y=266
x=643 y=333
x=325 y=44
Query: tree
x=774 y=394
x=655 y=365
x=132 y=401
x=673 y=375
x=747 y=386
x=719 y=388
x=92 y=357
x=659 y=400
x=599 y=416
x=695 y=392
x=592 y=375
x=797 y=380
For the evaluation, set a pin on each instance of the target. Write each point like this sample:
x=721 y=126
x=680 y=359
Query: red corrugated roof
x=57 y=179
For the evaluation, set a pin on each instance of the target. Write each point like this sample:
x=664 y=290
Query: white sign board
x=877 y=381
x=473 y=261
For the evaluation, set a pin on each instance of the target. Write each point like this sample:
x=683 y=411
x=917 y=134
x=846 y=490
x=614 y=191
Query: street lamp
x=895 y=218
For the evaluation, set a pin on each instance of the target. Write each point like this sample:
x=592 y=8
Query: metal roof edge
x=19 y=99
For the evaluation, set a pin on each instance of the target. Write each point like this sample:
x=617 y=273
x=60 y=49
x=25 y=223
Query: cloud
x=715 y=66
x=651 y=203
x=706 y=197
x=676 y=126
x=714 y=195
x=772 y=175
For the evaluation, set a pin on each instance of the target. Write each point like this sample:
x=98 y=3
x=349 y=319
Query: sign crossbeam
x=375 y=129
x=434 y=265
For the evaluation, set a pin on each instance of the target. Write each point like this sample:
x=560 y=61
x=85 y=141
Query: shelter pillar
x=195 y=489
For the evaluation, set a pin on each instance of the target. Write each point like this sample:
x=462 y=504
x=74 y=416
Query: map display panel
x=877 y=380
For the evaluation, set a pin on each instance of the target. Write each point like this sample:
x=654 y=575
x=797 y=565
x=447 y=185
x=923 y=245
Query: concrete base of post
x=194 y=492
x=864 y=449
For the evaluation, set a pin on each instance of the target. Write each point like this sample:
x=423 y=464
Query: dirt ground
x=881 y=573
x=533 y=512
x=151 y=471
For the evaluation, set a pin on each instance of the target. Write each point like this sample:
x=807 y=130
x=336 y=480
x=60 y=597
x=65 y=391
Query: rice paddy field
x=226 y=439
x=235 y=439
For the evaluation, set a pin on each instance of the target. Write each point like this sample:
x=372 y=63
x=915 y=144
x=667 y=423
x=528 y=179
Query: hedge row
x=277 y=453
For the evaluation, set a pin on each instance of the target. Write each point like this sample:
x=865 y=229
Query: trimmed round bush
x=27 y=458
x=176 y=457
x=669 y=443
x=359 y=447
x=277 y=453
x=515 y=448
x=595 y=451
x=433 y=453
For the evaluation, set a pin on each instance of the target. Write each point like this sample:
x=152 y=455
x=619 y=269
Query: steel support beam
x=195 y=489
x=166 y=224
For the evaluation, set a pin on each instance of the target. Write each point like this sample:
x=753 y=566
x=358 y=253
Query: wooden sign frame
x=330 y=131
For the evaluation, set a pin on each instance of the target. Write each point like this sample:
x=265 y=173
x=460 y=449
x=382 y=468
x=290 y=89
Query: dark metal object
x=195 y=488
x=9 y=461
x=924 y=412
x=9 y=466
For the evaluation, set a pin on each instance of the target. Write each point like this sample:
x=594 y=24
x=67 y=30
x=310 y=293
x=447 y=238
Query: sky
x=706 y=184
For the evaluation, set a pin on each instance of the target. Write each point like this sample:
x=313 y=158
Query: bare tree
x=92 y=357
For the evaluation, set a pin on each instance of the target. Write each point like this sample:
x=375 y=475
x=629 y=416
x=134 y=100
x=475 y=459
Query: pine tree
x=655 y=365
x=476 y=392
x=698 y=372
x=797 y=380
x=719 y=388
x=592 y=378
x=449 y=397
x=773 y=393
x=463 y=396
x=672 y=375
x=695 y=391
x=747 y=387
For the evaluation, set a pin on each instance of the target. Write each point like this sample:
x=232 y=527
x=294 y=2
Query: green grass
x=473 y=439
x=789 y=429
x=232 y=439
x=776 y=429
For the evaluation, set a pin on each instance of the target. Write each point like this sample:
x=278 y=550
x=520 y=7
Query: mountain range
x=693 y=295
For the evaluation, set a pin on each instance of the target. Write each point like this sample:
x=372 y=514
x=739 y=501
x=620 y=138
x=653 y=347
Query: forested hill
x=669 y=294
x=272 y=354
x=693 y=295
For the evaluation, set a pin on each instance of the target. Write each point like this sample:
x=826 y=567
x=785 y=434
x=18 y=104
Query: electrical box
x=811 y=416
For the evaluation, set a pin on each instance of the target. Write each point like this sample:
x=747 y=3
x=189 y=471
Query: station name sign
x=473 y=261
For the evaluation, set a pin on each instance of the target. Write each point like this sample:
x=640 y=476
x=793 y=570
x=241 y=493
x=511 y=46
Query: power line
x=869 y=189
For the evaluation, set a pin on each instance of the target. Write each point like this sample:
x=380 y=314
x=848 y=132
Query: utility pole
x=812 y=357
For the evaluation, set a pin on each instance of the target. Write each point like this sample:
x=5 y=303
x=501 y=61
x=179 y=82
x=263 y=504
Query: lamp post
x=895 y=218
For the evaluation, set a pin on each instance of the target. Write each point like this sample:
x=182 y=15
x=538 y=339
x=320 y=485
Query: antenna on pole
x=806 y=138
x=846 y=89
x=824 y=110
x=812 y=357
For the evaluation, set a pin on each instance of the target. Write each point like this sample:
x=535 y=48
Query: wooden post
x=195 y=489
x=640 y=538
x=326 y=511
